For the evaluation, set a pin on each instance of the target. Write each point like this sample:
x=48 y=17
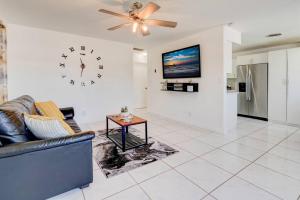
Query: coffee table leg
x=123 y=138
x=146 y=132
x=106 y=126
x=126 y=129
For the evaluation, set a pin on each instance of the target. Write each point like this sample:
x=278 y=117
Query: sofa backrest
x=12 y=125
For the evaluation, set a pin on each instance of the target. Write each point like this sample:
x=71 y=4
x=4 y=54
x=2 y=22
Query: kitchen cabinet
x=284 y=86
x=293 y=91
x=277 y=85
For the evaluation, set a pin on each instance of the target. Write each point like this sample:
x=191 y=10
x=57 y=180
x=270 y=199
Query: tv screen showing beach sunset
x=183 y=63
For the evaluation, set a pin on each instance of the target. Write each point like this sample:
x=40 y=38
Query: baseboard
x=254 y=117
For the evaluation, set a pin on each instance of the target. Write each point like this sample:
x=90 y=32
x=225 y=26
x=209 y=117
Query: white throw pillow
x=45 y=127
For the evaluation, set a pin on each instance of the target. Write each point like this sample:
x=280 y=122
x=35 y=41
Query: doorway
x=140 y=79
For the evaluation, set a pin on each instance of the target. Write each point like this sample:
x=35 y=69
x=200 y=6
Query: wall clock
x=81 y=66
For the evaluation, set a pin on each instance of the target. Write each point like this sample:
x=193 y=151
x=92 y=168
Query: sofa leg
x=84 y=186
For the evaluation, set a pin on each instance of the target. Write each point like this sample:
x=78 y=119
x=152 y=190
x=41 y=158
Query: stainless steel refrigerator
x=253 y=91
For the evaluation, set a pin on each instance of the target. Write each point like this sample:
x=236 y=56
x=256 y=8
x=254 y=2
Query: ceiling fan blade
x=119 y=26
x=157 y=22
x=148 y=10
x=114 y=14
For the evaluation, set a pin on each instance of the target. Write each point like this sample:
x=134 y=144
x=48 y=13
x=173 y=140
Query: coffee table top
x=118 y=119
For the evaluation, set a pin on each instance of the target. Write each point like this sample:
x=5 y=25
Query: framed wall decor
x=3 y=63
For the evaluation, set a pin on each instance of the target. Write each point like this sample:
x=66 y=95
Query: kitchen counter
x=232 y=91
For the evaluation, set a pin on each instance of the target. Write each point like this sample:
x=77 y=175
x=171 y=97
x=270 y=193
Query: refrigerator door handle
x=250 y=85
x=247 y=84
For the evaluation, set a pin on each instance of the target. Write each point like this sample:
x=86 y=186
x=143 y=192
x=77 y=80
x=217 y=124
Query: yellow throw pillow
x=49 y=109
x=47 y=127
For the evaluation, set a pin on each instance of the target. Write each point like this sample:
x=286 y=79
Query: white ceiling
x=254 y=18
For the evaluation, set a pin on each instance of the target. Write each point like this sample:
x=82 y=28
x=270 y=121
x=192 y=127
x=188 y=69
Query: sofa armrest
x=39 y=145
x=68 y=112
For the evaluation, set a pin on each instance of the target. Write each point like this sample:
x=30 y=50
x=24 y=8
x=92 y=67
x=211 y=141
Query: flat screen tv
x=182 y=63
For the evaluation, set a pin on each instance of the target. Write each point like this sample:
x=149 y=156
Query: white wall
x=252 y=59
x=33 y=59
x=206 y=107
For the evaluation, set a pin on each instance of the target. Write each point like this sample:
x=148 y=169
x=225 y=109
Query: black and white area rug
x=113 y=160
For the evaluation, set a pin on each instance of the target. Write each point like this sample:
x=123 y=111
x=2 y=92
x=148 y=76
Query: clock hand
x=81 y=72
x=82 y=66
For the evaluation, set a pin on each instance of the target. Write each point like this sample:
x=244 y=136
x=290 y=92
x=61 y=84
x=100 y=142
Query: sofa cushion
x=47 y=127
x=72 y=123
x=12 y=125
x=49 y=109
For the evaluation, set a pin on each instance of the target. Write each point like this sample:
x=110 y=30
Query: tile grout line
x=119 y=191
x=140 y=187
x=83 y=194
x=233 y=175
x=278 y=172
x=174 y=168
x=291 y=160
x=199 y=156
x=215 y=148
x=253 y=162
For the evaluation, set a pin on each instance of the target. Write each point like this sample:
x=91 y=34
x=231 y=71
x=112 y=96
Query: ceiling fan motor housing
x=136 y=6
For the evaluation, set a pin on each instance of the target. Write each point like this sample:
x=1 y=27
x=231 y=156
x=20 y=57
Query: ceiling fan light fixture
x=134 y=27
x=145 y=28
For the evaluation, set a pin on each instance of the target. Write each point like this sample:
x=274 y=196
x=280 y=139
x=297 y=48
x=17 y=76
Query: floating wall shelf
x=180 y=87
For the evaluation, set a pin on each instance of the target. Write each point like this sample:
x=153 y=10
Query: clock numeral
x=63 y=76
x=100 y=66
x=83 y=54
x=82 y=48
x=72 y=49
x=99 y=75
x=72 y=82
x=64 y=56
x=99 y=58
x=83 y=84
x=92 y=51
x=92 y=82
x=62 y=65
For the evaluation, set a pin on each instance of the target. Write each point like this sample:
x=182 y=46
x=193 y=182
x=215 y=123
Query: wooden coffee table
x=126 y=140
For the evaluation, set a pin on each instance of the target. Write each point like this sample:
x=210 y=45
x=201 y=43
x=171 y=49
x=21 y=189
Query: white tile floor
x=255 y=161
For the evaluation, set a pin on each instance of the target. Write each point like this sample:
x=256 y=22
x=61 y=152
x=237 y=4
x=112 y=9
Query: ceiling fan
x=138 y=18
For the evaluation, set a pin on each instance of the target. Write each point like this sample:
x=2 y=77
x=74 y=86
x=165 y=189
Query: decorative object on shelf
x=180 y=87
x=3 y=68
x=81 y=66
x=126 y=116
x=164 y=85
x=124 y=111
